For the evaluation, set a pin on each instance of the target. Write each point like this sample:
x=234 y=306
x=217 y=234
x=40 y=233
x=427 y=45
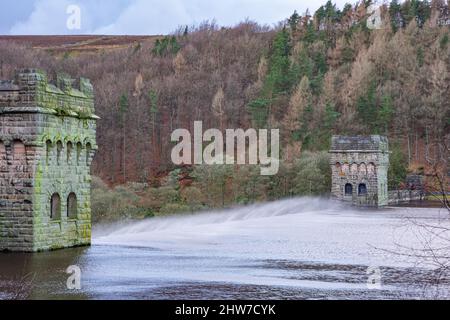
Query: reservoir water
x=305 y=248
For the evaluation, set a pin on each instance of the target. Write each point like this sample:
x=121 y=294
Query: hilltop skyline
x=140 y=17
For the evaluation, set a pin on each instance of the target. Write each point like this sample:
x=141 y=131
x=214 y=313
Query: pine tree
x=396 y=15
x=367 y=108
x=278 y=79
x=293 y=21
x=385 y=114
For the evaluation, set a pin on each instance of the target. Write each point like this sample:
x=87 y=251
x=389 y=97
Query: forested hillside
x=312 y=76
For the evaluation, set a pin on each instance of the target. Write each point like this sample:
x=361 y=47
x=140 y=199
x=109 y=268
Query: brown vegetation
x=311 y=78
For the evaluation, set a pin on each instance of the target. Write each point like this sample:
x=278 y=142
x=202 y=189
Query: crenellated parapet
x=31 y=91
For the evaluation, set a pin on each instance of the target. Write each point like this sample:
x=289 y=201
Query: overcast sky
x=49 y=17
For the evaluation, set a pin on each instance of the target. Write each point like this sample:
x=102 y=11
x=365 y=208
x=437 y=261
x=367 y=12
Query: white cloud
x=154 y=16
x=159 y=17
x=148 y=17
x=48 y=17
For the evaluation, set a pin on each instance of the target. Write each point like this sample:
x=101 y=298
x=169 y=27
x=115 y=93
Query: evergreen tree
x=157 y=48
x=385 y=114
x=259 y=109
x=395 y=13
x=168 y=45
x=367 y=108
x=310 y=34
x=294 y=20
x=397 y=167
x=278 y=79
x=174 y=45
x=153 y=97
x=423 y=12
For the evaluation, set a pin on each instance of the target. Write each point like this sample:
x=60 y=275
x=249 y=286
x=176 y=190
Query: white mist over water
x=302 y=229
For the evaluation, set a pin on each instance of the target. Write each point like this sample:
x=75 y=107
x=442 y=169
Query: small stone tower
x=359 y=167
x=47 y=143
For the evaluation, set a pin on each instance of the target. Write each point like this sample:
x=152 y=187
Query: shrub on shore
x=212 y=187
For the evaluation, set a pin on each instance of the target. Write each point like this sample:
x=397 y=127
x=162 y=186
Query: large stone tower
x=359 y=169
x=47 y=142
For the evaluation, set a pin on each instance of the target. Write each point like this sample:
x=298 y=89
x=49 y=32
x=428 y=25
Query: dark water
x=292 y=249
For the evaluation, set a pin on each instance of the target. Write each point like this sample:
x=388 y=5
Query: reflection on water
x=291 y=249
x=38 y=275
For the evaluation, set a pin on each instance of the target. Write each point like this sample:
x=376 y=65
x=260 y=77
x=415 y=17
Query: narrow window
x=345 y=168
x=55 y=205
x=339 y=168
x=69 y=152
x=48 y=152
x=19 y=150
x=79 y=149
x=363 y=169
x=88 y=153
x=348 y=189
x=72 y=207
x=362 y=189
x=59 y=147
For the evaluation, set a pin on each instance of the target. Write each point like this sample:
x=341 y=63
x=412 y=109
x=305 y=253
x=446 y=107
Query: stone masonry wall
x=360 y=161
x=16 y=183
x=63 y=170
x=47 y=142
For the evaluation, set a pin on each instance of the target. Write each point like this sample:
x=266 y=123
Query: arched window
x=72 y=207
x=348 y=189
x=354 y=168
x=363 y=169
x=48 y=153
x=59 y=147
x=338 y=168
x=69 y=152
x=362 y=189
x=79 y=149
x=55 y=207
x=88 y=152
x=19 y=152
x=345 y=168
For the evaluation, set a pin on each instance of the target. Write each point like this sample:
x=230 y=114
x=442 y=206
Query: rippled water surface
x=292 y=249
